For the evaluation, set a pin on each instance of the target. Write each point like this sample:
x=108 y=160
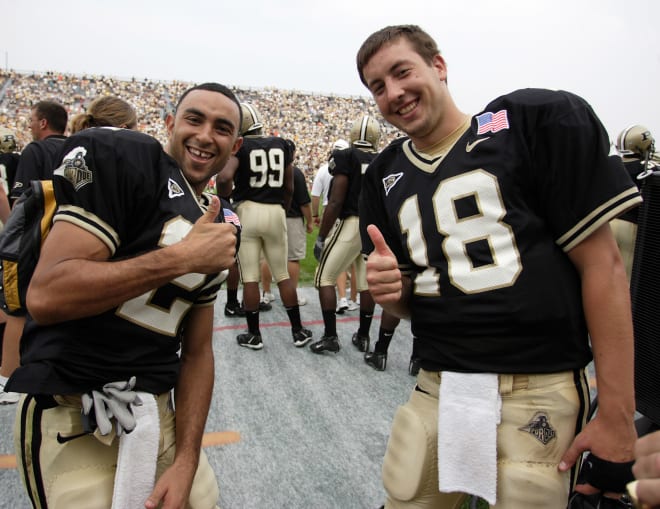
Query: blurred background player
x=338 y=246
x=636 y=146
x=263 y=187
x=320 y=190
x=298 y=225
x=9 y=157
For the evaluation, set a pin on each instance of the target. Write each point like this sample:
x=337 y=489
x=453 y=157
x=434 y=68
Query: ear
x=237 y=145
x=169 y=123
x=440 y=66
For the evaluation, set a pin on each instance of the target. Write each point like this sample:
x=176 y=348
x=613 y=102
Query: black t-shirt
x=37 y=162
x=300 y=194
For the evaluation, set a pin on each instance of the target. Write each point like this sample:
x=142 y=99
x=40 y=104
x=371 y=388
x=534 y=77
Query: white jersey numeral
x=486 y=225
x=262 y=161
x=143 y=311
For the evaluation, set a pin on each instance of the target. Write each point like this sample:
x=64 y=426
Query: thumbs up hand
x=383 y=274
x=210 y=246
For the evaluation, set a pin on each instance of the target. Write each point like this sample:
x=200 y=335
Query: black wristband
x=606 y=475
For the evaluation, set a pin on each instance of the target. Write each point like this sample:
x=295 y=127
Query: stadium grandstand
x=313 y=121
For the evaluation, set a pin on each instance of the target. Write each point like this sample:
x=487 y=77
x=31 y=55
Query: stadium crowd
x=312 y=120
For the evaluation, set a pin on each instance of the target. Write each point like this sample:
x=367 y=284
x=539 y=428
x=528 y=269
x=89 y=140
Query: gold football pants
x=541 y=414
x=63 y=468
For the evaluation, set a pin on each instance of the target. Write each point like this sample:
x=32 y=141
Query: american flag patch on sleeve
x=231 y=217
x=492 y=122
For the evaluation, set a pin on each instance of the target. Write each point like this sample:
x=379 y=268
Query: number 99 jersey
x=483 y=231
x=262 y=161
x=123 y=188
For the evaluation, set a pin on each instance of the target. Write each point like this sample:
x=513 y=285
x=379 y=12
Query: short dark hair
x=221 y=89
x=54 y=113
x=422 y=42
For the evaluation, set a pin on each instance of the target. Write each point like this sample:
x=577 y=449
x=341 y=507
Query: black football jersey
x=121 y=186
x=262 y=161
x=483 y=232
x=8 y=165
x=353 y=163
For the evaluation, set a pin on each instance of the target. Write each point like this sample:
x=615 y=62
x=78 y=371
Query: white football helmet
x=252 y=123
x=365 y=132
x=635 y=140
x=8 y=142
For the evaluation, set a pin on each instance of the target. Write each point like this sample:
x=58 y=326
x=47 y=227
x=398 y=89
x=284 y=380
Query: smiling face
x=203 y=134
x=410 y=92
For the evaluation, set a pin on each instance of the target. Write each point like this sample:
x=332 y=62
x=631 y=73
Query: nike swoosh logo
x=63 y=440
x=470 y=146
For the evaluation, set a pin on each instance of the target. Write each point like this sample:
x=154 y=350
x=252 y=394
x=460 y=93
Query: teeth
x=199 y=153
x=408 y=108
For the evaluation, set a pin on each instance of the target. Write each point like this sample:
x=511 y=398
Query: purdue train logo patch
x=539 y=427
x=74 y=168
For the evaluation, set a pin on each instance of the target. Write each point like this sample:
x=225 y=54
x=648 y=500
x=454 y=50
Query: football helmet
x=252 y=124
x=365 y=132
x=635 y=140
x=8 y=142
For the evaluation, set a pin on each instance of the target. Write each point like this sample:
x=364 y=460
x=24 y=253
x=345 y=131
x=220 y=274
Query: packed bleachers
x=313 y=121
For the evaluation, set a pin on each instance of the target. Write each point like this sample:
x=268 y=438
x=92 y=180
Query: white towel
x=468 y=415
x=138 y=455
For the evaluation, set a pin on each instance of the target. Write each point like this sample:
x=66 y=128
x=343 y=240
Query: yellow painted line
x=7 y=461
x=208 y=440
x=220 y=438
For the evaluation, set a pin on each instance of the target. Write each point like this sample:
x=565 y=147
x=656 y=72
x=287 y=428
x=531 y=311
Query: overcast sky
x=607 y=51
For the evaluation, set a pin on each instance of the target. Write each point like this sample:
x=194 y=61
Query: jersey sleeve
x=102 y=181
x=581 y=181
x=339 y=162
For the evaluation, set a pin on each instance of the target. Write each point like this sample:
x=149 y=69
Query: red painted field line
x=242 y=325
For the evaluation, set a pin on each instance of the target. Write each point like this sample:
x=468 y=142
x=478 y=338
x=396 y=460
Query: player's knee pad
x=411 y=458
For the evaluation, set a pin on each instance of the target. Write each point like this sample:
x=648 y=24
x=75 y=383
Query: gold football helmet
x=8 y=142
x=635 y=140
x=365 y=132
x=251 y=124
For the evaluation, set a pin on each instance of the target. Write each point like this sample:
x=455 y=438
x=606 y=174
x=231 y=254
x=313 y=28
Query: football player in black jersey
x=263 y=186
x=338 y=243
x=121 y=305
x=490 y=232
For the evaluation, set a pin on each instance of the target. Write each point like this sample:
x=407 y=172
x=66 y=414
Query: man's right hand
x=209 y=246
x=383 y=274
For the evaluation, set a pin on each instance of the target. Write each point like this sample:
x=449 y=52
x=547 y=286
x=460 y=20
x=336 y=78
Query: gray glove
x=318 y=247
x=113 y=402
